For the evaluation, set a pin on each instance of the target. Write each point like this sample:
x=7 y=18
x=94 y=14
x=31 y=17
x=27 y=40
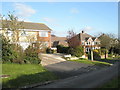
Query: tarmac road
x=89 y=80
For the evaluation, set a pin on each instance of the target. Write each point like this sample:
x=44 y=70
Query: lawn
x=92 y=62
x=24 y=74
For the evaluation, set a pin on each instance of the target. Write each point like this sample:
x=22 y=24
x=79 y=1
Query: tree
x=11 y=51
x=108 y=42
x=12 y=24
x=71 y=34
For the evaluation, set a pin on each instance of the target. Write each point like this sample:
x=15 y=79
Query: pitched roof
x=83 y=36
x=30 y=25
x=59 y=40
x=36 y=26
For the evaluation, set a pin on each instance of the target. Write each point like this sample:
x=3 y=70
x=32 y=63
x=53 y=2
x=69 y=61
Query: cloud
x=74 y=10
x=24 y=10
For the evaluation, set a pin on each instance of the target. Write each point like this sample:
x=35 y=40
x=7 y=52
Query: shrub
x=11 y=52
x=71 y=51
x=110 y=55
x=48 y=50
x=62 y=49
x=6 y=49
x=31 y=55
x=96 y=55
x=77 y=51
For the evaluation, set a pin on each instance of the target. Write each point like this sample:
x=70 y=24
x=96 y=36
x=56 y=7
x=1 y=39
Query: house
x=106 y=40
x=58 y=41
x=87 y=41
x=29 y=33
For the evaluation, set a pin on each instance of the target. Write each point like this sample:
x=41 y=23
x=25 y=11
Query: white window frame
x=43 y=34
x=9 y=33
x=24 y=33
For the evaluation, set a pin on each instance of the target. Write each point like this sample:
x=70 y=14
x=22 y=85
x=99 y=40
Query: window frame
x=43 y=33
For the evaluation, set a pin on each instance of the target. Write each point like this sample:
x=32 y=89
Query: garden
x=21 y=75
x=21 y=68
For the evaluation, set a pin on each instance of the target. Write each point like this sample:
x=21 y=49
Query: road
x=89 y=80
x=65 y=69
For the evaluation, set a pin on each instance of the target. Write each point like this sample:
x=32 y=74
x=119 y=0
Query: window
x=43 y=34
x=9 y=33
x=87 y=49
x=82 y=43
x=23 y=33
x=87 y=43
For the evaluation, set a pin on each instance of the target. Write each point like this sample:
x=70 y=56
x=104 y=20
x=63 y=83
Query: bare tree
x=71 y=34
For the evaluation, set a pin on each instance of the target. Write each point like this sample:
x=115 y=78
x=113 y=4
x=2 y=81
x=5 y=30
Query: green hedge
x=31 y=55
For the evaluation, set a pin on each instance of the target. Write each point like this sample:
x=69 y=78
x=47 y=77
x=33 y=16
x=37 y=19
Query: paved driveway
x=63 y=68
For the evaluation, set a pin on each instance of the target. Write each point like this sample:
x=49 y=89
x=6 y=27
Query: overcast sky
x=93 y=17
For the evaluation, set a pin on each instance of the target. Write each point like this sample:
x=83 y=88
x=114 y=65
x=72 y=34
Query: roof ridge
x=33 y=22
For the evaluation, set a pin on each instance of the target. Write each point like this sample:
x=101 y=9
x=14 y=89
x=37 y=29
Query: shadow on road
x=69 y=68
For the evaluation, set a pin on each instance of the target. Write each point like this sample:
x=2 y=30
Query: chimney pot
x=82 y=31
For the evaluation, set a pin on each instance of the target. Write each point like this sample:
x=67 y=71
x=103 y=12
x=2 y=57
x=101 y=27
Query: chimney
x=82 y=31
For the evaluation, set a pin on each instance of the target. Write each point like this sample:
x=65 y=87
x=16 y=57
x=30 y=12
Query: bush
x=48 y=50
x=6 y=50
x=96 y=55
x=77 y=51
x=71 y=51
x=31 y=55
x=110 y=55
x=62 y=49
x=11 y=52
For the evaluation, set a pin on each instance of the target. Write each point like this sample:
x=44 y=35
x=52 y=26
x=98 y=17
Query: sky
x=92 y=17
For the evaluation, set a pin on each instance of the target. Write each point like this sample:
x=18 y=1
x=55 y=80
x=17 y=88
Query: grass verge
x=92 y=62
x=24 y=74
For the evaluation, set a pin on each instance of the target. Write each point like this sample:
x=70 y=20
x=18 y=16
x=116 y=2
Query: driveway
x=64 y=69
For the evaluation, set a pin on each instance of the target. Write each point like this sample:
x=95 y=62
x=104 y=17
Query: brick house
x=30 y=33
x=85 y=40
x=58 y=41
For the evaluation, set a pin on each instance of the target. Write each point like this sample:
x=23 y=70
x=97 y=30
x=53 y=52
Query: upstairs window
x=23 y=33
x=88 y=43
x=9 y=33
x=43 y=34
